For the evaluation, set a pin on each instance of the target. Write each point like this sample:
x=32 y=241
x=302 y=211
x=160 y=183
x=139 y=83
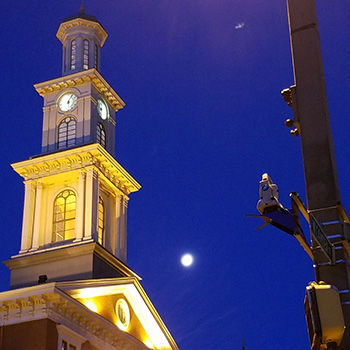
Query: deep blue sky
x=203 y=120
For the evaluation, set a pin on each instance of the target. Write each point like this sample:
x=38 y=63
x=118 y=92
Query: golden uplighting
x=90 y=304
x=149 y=344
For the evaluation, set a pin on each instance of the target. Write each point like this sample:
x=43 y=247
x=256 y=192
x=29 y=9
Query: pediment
x=124 y=303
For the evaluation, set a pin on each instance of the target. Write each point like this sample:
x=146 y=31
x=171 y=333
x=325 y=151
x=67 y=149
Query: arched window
x=66 y=133
x=101 y=135
x=101 y=221
x=73 y=54
x=64 y=216
x=86 y=54
x=96 y=56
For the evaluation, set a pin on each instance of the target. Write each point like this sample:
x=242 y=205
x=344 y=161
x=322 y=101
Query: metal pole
x=316 y=137
x=310 y=106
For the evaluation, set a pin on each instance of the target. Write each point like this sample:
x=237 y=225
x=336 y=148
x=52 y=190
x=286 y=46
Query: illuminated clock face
x=123 y=314
x=67 y=102
x=102 y=109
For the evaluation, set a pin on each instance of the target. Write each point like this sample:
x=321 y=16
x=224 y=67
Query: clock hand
x=68 y=102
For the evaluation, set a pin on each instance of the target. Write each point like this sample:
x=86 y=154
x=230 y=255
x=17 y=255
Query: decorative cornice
x=78 y=22
x=93 y=155
x=83 y=77
x=39 y=302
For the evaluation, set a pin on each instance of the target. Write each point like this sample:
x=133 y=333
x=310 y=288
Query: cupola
x=82 y=37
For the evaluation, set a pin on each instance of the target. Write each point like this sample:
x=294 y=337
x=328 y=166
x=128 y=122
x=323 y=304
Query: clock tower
x=76 y=193
x=71 y=288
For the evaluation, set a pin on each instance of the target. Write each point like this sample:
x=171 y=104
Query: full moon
x=187 y=260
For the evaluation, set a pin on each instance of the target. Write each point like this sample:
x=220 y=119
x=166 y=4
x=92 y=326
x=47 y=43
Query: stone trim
x=78 y=159
x=66 y=311
x=81 y=22
x=76 y=79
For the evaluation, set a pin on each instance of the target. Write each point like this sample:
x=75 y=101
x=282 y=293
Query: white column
x=123 y=235
x=91 y=204
x=37 y=216
x=95 y=198
x=52 y=129
x=80 y=211
x=79 y=53
x=86 y=119
x=45 y=138
x=28 y=216
x=118 y=205
x=80 y=121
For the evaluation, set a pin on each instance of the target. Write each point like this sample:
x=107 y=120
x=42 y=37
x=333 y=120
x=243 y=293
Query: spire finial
x=243 y=345
x=82 y=7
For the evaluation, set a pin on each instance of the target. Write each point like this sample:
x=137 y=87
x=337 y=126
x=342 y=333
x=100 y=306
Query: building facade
x=70 y=286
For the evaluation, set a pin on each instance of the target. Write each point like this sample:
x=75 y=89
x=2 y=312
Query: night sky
x=203 y=121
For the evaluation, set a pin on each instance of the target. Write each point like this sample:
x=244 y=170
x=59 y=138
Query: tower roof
x=69 y=24
x=82 y=15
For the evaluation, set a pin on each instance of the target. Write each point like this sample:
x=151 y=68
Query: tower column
x=28 y=216
x=86 y=126
x=37 y=217
x=46 y=128
x=123 y=238
x=80 y=207
x=52 y=141
x=91 y=207
x=118 y=200
x=79 y=53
